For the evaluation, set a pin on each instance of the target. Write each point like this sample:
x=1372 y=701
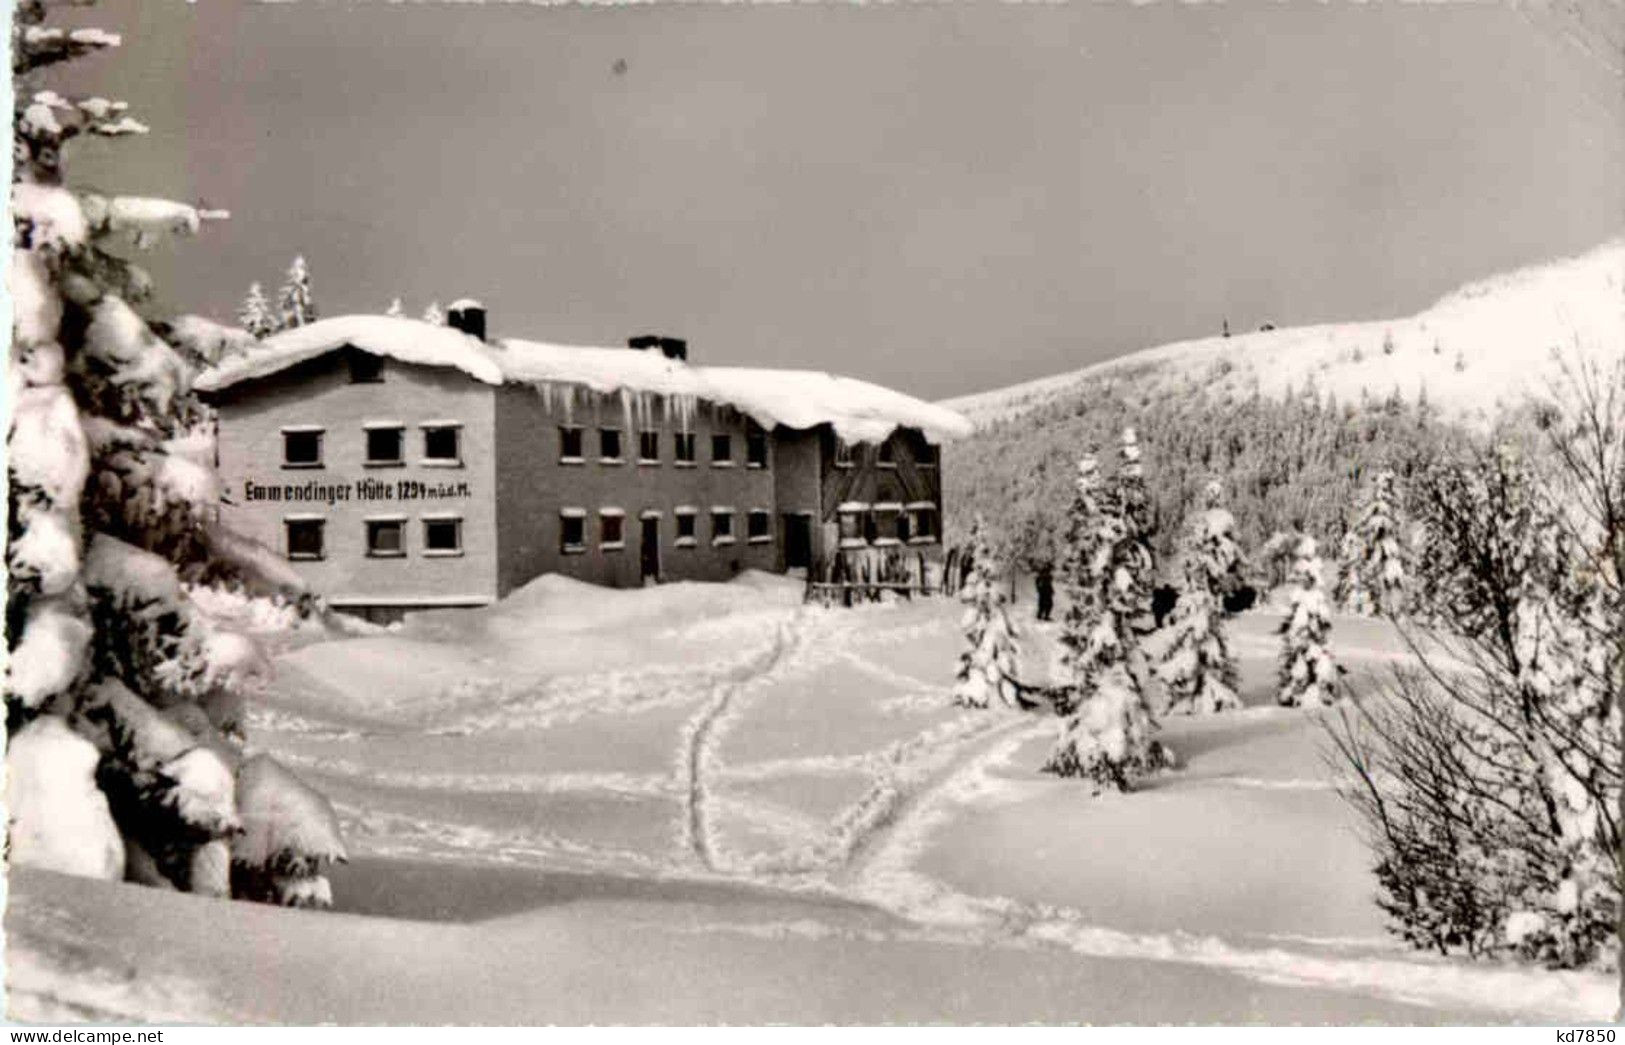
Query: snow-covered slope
x=1489 y=343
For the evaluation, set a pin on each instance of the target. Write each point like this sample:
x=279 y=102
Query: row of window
x=612 y=528
x=884 y=524
x=684 y=451
x=440 y=444
x=885 y=454
x=386 y=536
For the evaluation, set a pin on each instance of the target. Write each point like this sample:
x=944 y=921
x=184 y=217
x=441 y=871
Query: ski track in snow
x=890 y=880
x=607 y=782
x=696 y=755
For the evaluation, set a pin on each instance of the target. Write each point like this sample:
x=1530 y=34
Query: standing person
x=1045 y=582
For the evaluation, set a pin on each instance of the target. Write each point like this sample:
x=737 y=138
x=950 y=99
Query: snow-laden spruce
x=1085 y=560
x=296 y=307
x=254 y=314
x=1372 y=570
x=1108 y=738
x=396 y=310
x=1136 y=508
x=1197 y=666
x=987 y=666
x=434 y=315
x=123 y=703
x=1308 y=673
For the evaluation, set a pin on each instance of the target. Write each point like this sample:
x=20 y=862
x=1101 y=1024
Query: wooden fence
x=865 y=574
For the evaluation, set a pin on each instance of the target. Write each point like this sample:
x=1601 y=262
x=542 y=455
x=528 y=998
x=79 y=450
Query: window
x=853 y=515
x=609 y=445
x=306 y=538
x=843 y=453
x=570 y=444
x=649 y=447
x=686 y=527
x=682 y=447
x=365 y=369
x=386 y=538
x=886 y=524
x=922 y=523
x=442 y=535
x=758 y=526
x=301 y=448
x=927 y=455
x=443 y=443
x=572 y=530
x=611 y=529
x=386 y=443
x=755 y=447
x=722 y=449
x=886 y=455
x=722 y=525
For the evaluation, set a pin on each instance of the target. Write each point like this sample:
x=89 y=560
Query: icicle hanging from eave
x=678 y=407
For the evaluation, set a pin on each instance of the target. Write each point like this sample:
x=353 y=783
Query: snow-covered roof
x=857 y=410
x=406 y=340
x=462 y=303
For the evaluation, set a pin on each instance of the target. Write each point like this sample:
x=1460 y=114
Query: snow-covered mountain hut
x=401 y=465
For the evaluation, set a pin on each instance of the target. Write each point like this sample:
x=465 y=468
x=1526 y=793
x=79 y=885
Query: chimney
x=468 y=316
x=670 y=347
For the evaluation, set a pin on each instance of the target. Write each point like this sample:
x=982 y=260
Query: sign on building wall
x=368 y=490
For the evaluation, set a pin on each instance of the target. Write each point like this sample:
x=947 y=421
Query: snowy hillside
x=1489 y=342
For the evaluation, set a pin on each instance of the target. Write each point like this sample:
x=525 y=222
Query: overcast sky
x=941 y=198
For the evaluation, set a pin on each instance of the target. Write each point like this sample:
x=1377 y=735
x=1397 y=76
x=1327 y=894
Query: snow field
x=772 y=819
x=814 y=757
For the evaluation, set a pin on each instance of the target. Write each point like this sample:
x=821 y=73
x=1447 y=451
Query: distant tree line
x=1287 y=465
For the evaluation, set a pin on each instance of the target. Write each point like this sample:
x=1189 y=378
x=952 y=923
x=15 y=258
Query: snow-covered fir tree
x=254 y=314
x=434 y=314
x=295 y=305
x=1197 y=665
x=1308 y=673
x=124 y=755
x=1084 y=563
x=1134 y=564
x=987 y=666
x=1136 y=506
x=1372 y=573
x=1108 y=738
x=396 y=309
